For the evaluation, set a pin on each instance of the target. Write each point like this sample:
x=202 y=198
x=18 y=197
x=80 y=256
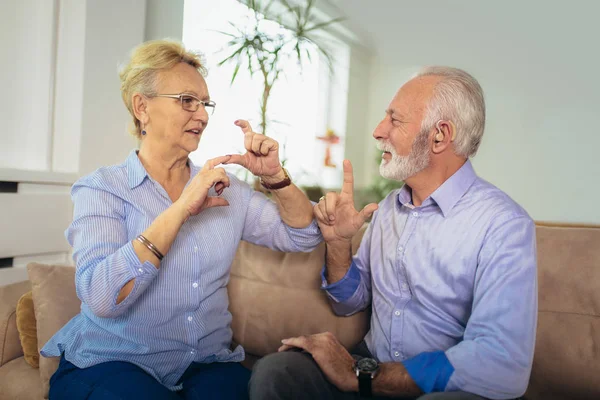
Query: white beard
x=399 y=168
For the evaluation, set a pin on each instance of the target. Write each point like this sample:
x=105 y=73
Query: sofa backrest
x=567 y=354
x=274 y=295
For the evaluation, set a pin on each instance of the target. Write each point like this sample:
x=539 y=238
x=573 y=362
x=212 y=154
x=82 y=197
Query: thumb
x=236 y=159
x=368 y=211
x=215 y=202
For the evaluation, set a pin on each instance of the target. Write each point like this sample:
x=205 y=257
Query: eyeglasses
x=191 y=103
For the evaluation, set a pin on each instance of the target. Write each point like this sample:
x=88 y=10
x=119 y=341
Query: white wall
x=538 y=63
x=110 y=35
x=164 y=19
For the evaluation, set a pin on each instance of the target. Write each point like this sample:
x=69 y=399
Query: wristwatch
x=366 y=370
x=279 y=185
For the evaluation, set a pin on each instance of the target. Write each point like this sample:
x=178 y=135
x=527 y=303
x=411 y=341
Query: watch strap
x=364 y=384
x=278 y=185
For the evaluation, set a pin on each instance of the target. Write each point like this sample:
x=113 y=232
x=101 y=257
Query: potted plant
x=264 y=52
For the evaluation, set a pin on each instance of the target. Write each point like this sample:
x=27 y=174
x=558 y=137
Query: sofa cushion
x=18 y=381
x=55 y=303
x=567 y=354
x=28 y=329
x=10 y=345
x=275 y=295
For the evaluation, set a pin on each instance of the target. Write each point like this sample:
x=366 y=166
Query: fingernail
x=236 y=121
x=284 y=341
x=331 y=217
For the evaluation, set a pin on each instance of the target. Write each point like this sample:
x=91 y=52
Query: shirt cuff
x=430 y=371
x=136 y=268
x=343 y=289
x=307 y=238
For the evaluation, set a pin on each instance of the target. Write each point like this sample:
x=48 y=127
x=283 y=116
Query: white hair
x=458 y=97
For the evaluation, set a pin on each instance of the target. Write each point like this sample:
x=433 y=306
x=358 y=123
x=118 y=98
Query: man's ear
x=443 y=136
x=139 y=104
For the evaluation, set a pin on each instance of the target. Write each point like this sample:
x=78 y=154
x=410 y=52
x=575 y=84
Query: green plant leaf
x=235 y=72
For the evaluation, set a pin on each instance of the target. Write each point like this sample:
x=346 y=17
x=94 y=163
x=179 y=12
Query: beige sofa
x=275 y=295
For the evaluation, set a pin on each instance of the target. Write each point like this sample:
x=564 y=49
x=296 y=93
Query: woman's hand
x=195 y=196
x=262 y=153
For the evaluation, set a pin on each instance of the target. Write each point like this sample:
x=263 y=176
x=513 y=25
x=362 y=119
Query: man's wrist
x=277 y=181
x=273 y=179
x=338 y=260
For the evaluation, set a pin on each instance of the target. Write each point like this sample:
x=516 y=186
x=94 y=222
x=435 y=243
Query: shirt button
x=192 y=352
x=195 y=285
x=415 y=214
x=397 y=313
x=401 y=248
x=404 y=286
x=195 y=249
x=141 y=270
x=190 y=319
x=397 y=354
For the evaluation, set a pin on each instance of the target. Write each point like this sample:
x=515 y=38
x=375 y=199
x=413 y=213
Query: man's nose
x=381 y=130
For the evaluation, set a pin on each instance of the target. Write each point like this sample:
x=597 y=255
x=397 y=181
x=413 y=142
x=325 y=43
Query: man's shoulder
x=492 y=206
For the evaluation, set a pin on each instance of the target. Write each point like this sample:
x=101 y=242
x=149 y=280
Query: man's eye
x=187 y=99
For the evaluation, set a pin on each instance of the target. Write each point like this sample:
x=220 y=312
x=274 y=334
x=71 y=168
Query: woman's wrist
x=178 y=212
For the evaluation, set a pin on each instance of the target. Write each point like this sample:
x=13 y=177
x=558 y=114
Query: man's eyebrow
x=396 y=113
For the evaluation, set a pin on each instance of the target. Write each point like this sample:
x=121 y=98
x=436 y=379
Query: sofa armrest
x=10 y=345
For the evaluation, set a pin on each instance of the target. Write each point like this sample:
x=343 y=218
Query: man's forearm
x=337 y=261
x=394 y=381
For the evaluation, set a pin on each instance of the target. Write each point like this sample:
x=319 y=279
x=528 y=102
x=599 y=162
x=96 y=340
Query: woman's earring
x=143 y=133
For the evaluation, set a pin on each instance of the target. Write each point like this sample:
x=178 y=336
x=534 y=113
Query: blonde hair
x=139 y=75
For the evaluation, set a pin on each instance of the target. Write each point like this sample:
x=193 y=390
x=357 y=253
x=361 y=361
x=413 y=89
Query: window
x=302 y=105
x=42 y=81
x=27 y=81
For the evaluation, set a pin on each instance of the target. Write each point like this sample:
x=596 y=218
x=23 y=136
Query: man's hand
x=262 y=153
x=333 y=359
x=337 y=218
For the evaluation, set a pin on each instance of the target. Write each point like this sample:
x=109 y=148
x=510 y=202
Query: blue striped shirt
x=452 y=285
x=174 y=315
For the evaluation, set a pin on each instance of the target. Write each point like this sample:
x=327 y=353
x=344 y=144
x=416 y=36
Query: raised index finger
x=348 y=185
x=245 y=125
x=213 y=162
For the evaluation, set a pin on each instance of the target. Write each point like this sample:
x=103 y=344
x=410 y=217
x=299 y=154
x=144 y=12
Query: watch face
x=367 y=365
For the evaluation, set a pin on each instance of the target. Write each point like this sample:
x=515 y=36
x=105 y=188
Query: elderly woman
x=154 y=238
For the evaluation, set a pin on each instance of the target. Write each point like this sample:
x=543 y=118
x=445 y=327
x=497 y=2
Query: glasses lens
x=210 y=107
x=189 y=103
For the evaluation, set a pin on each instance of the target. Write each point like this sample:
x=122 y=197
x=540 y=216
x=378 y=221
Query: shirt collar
x=449 y=193
x=455 y=187
x=135 y=170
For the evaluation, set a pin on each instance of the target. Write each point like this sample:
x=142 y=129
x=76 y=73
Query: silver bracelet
x=142 y=239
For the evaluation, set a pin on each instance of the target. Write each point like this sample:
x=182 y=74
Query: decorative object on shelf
x=330 y=139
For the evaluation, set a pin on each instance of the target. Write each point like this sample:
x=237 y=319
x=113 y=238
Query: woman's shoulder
x=105 y=178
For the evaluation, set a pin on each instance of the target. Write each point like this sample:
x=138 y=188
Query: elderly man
x=447 y=264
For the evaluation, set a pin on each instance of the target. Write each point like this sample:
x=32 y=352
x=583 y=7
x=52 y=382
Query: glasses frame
x=210 y=104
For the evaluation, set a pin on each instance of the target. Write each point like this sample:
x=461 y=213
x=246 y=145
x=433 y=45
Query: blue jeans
x=123 y=380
